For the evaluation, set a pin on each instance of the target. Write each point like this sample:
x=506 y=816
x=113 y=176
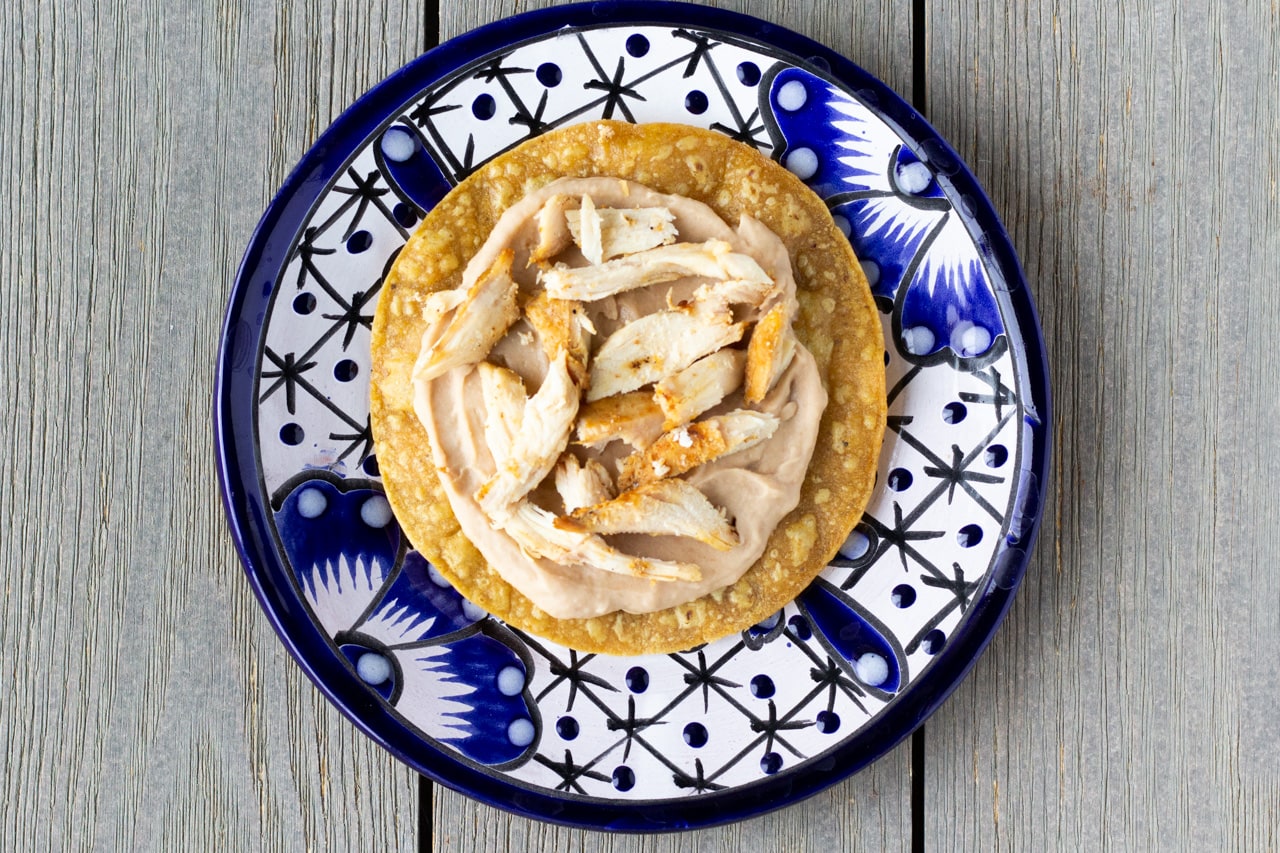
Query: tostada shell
x=837 y=322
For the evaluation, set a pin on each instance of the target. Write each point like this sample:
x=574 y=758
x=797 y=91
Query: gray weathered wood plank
x=145 y=703
x=871 y=811
x=1129 y=701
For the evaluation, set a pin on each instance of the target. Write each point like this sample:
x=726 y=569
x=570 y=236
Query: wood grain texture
x=872 y=810
x=145 y=703
x=1129 y=702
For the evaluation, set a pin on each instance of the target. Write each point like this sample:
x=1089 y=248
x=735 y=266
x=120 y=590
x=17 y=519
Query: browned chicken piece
x=504 y=402
x=653 y=266
x=478 y=323
x=553 y=231
x=661 y=508
x=633 y=417
x=582 y=485
x=625 y=231
x=534 y=530
x=685 y=448
x=561 y=326
x=700 y=386
x=543 y=435
x=657 y=345
x=772 y=346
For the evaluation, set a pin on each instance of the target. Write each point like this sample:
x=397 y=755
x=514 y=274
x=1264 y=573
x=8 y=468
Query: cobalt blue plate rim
x=244 y=498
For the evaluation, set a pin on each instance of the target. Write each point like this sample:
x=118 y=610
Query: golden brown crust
x=837 y=321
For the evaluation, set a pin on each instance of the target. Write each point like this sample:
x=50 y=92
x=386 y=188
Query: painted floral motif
x=450 y=670
x=919 y=258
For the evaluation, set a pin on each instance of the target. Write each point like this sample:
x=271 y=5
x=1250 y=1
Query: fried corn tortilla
x=837 y=322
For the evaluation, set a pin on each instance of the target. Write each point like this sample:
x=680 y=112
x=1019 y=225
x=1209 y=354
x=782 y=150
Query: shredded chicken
x=440 y=303
x=504 y=402
x=772 y=346
x=657 y=345
x=685 y=448
x=478 y=323
x=735 y=291
x=684 y=352
x=587 y=236
x=562 y=326
x=625 y=231
x=633 y=417
x=660 y=508
x=534 y=530
x=700 y=386
x=744 y=268
x=582 y=485
x=553 y=231
x=543 y=435
x=652 y=266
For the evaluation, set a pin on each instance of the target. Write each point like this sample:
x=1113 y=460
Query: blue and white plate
x=732 y=728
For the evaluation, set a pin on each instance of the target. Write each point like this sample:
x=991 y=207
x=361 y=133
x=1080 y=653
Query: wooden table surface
x=1128 y=702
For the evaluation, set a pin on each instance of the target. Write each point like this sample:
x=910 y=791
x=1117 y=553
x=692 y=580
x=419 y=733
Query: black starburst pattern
x=570 y=773
x=702 y=677
x=616 y=92
x=287 y=375
x=532 y=121
x=900 y=535
x=361 y=440
x=956 y=475
x=1001 y=395
x=571 y=672
x=363 y=192
x=702 y=45
x=772 y=726
x=697 y=781
x=308 y=251
x=962 y=589
x=832 y=679
x=352 y=317
x=631 y=726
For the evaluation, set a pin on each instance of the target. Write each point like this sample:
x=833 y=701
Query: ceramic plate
x=732 y=728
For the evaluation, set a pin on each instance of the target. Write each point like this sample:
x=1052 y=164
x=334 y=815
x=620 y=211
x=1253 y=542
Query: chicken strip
x=437 y=305
x=634 y=417
x=543 y=435
x=657 y=345
x=661 y=508
x=735 y=291
x=478 y=323
x=625 y=231
x=534 y=530
x=653 y=266
x=587 y=236
x=582 y=485
x=772 y=346
x=504 y=402
x=689 y=446
x=700 y=386
x=561 y=326
x=553 y=231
